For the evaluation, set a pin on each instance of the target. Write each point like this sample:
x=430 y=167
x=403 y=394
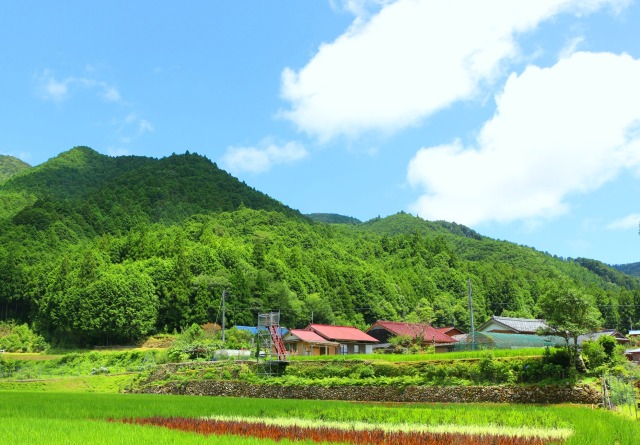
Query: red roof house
x=303 y=342
x=451 y=331
x=352 y=340
x=383 y=330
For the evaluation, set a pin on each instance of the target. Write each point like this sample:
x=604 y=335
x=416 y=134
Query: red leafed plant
x=329 y=434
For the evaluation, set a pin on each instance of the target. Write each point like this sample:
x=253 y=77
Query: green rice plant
x=89 y=432
x=80 y=418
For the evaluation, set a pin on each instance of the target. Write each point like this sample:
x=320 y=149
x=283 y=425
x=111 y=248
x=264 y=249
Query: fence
x=620 y=392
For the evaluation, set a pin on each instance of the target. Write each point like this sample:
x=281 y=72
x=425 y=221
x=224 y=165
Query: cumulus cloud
x=628 y=222
x=262 y=159
x=556 y=131
x=410 y=59
x=571 y=47
x=361 y=9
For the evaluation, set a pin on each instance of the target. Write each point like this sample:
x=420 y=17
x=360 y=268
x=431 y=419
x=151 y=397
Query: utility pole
x=224 y=295
x=473 y=331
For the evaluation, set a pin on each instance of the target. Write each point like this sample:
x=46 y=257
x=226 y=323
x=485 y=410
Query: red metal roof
x=341 y=333
x=424 y=330
x=447 y=329
x=308 y=336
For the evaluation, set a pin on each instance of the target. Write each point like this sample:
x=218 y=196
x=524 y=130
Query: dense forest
x=10 y=166
x=105 y=250
x=629 y=269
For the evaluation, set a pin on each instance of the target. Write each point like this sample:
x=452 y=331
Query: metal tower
x=272 y=356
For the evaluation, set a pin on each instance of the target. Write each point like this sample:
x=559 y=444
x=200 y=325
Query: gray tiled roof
x=521 y=324
x=595 y=335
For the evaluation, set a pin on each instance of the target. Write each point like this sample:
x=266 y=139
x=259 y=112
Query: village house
x=303 y=342
x=633 y=334
x=620 y=339
x=511 y=325
x=451 y=331
x=351 y=340
x=428 y=335
x=633 y=355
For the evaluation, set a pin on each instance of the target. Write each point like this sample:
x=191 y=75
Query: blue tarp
x=254 y=330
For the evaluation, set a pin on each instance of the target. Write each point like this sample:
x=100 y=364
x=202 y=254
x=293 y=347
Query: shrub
x=557 y=356
x=594 y=354
x=19 y=338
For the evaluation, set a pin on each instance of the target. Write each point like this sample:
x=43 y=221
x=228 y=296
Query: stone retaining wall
x=582 y=394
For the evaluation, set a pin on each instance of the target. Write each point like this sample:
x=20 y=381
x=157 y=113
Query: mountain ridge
x=168 y=189
x=10 y=167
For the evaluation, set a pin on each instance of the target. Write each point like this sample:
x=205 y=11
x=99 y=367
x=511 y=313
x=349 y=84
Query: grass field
x=27 y=356
x=88 y=384
x=81 y=418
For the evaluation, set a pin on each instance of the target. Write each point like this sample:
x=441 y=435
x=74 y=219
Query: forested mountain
x=630 y=269
x=95 y=249
x=10 y=166
x=333 y=218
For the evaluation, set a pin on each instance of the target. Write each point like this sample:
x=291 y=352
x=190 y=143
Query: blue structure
x=254 y=330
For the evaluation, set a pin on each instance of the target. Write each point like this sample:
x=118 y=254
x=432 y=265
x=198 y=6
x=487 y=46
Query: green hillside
x=102 y=250
x=333 y=218
x=93 y=194
x=10 y=166
x=630 y=269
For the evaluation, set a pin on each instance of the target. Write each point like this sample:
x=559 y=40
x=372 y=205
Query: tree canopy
x=569 y=313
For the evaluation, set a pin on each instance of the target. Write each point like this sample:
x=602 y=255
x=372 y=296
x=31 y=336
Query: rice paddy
x=81 y=418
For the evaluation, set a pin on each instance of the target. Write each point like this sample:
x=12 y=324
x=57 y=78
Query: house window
x=356 y=349
x=344 y=349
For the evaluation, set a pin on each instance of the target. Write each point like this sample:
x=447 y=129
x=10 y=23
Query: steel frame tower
x=272 y=356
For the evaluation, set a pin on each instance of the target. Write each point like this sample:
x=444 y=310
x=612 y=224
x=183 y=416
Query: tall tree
x=569 y=313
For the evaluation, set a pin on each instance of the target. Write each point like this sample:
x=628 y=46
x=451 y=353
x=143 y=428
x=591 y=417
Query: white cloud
x=571 y=47
x=57 y=90
x=628 y=222
x=142 y=125
x=111 y=94
x=52 y=88
x=409 y=60
x=257 y=160
x=361 y=9
x=557 y=131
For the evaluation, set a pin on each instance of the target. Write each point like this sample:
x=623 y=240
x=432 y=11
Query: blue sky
x=518 y=119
